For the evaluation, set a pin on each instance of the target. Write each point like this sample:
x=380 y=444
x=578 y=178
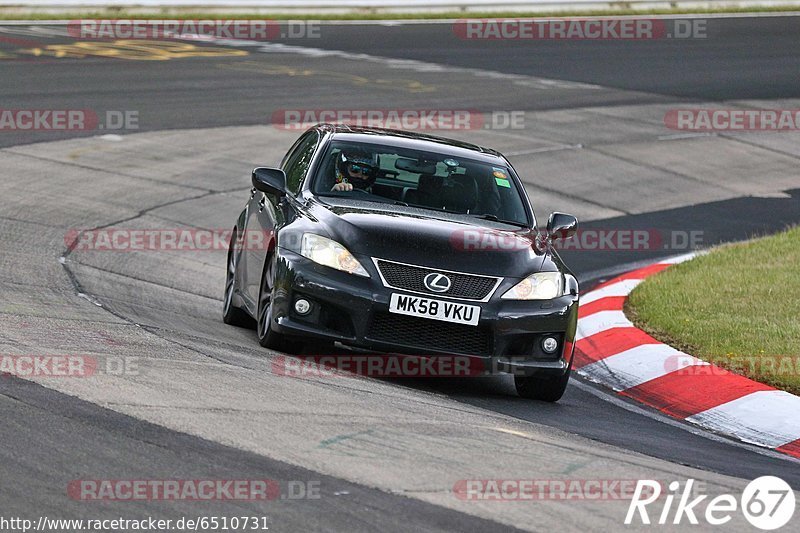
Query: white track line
x=639 y=365
x=768 y=418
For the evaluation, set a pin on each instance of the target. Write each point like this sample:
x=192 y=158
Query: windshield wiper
x=494 y=218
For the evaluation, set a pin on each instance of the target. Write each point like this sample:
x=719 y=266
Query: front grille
x=410 y=278
x=425 y=334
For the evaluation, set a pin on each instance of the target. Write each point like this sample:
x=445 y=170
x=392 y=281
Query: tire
x=231 y=314
x=545 y=389
x=267 y=337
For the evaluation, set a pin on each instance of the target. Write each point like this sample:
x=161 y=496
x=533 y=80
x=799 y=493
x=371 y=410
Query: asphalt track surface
x=52 y=434
x=739 y=59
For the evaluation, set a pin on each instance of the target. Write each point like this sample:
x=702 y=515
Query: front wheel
x=543 y=388
x=267 y=337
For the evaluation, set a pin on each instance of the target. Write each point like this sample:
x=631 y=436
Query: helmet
x=359 y=162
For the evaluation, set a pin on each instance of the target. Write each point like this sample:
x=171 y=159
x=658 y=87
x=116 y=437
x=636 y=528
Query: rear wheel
x=231 y=314
x=543 y=388
x=267 y=337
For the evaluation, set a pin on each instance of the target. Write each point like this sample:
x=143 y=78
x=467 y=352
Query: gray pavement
x=211 y=402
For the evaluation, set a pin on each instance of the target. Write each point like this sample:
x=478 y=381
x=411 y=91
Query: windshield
x=426 y=180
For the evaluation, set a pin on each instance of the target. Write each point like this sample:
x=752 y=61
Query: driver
x=355 y=170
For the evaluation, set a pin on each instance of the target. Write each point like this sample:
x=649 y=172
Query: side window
x=298 y=161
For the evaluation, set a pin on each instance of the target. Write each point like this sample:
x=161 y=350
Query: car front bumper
x=354 y=311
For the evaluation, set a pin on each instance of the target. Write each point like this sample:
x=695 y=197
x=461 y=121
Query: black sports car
x=403 y=243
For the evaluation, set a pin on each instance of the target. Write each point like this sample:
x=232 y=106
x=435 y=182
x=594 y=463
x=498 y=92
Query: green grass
x=121 y=13
x=737 y=307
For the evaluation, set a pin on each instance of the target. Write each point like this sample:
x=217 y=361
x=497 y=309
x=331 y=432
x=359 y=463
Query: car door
x=265 y=214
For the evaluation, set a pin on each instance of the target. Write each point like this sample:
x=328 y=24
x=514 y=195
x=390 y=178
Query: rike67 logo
x=767 y=503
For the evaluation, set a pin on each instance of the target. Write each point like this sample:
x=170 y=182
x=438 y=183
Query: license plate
x=455 y=312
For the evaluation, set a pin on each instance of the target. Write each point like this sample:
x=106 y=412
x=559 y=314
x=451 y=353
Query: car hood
x=429 y=238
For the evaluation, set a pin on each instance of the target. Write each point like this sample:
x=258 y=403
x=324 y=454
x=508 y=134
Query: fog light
x=549 y=344
x=302 y=306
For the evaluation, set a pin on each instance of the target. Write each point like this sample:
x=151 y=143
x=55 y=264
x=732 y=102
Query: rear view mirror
x=561 y=226
x=417 y=167
x=270 y=180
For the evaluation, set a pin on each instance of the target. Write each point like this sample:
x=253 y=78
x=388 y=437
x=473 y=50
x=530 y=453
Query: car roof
x=412 y=140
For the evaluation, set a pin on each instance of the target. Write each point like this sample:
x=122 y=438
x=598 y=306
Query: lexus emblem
x=436 y=282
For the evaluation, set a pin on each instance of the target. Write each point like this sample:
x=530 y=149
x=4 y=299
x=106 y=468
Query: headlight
x=539 y=286
x=331 y=254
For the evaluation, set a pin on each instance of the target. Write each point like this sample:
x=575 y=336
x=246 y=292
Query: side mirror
x=270 y=180
x=561 y=226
